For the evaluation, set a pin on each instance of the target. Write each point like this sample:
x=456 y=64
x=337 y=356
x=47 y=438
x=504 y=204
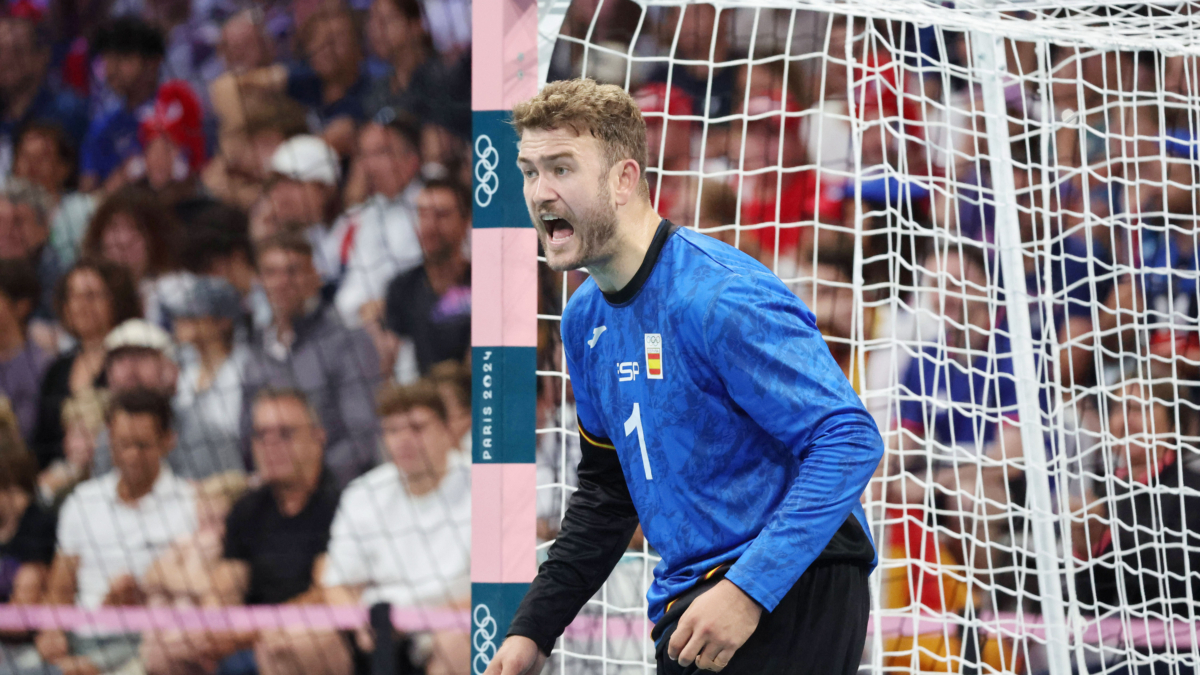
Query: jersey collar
x=665 y=229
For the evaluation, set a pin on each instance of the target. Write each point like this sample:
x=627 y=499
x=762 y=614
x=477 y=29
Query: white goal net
x=992 y=211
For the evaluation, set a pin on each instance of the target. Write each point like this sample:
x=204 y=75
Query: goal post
x=992 y=210
x=503 y=327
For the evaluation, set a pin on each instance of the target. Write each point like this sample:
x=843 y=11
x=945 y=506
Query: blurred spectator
x=431 y=304
x=172 y=141
x=331 y=82
x=22 y=363
x=882 y=183
x=263 y=222
x=133 y=229
x=830 y=295
x=192 y=32
x=26 y=92
x=139 y=356
x=694 y=25
x=416 y=81
x=1061 y=315
x=208 y=396
x=92 y=298
x=449 y=24
x=26 y=531
x=303 y=193
x=244 y=45
x=25 y=235
x=45 y=156
x=238 y=173
x=419 y=555
x=790 y=196
x=183 y=577
x=446 y=152
x=1165 y=291
x=396 y=37
x=668 y=142
x=83 y=425
x=216 y=242
x=717 y=216
x=882 y=244
x=453 y=382
x=1145 y=532
x=112 y=528
x=275 y=541
x=132 y=51
x=309 y=348
x=385 y=236
x=968 y=363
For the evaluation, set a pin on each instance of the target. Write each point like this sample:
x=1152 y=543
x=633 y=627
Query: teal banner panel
x=504 y=400
x=492 y=610
x=496 y=183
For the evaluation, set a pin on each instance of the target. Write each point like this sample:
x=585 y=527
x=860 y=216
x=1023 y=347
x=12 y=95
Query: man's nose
x=543 y=191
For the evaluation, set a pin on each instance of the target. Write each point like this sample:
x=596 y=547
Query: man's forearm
x=596 y=529
x=832 y=478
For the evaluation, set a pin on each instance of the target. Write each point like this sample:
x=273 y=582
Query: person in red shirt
x=667 y=112
x=791 y=195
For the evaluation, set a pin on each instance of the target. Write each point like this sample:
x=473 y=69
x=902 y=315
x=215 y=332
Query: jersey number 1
x=635 y=422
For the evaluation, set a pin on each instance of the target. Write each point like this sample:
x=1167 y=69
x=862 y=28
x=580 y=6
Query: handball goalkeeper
x=710 y=411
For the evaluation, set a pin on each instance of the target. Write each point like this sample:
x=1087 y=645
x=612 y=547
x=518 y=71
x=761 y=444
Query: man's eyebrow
x=567 y=154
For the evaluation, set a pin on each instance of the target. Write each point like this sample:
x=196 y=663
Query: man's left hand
x=715 y=626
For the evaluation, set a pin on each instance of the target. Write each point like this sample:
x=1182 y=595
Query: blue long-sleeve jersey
x=739 y=437
x=711 y=413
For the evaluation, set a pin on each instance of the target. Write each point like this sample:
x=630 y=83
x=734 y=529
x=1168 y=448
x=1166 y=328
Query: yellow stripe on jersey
x=590 y=439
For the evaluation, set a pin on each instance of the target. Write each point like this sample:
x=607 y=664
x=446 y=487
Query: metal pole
x=990 y=67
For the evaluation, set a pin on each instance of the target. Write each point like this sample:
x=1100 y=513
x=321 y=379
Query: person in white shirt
x=303 y=194
x=208 y=395
x=111 y=530
x=385 y=239
x=402 y=532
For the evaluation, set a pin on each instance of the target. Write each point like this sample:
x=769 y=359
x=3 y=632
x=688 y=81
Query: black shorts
x=819 y=627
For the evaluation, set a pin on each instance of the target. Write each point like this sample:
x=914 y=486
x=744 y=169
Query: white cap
x=306 y=158
x=138 y=334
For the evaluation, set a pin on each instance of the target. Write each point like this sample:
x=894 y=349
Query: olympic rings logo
x=485 y=170
x=483 y=637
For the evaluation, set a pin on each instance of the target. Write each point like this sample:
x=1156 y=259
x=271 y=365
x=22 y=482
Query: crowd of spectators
x=235 y=306
x=234 y=326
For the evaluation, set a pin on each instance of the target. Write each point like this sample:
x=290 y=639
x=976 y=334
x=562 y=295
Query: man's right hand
x=517 y=656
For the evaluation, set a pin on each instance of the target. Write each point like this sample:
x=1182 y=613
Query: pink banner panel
x=506 y=29
x=196 y=619
x=503 y=523
x=520 y=52
x=520 y=523
x=504 y=287
x=1181 y=634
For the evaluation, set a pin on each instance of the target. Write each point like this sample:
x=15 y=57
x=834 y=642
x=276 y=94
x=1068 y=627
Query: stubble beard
x=594 y=228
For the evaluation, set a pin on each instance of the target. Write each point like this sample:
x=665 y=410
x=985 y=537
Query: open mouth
x=558 y=230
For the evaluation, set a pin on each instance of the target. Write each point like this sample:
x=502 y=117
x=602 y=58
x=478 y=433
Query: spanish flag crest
x=654 y=364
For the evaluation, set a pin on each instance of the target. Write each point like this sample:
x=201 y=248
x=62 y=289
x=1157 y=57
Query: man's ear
x=628 y=177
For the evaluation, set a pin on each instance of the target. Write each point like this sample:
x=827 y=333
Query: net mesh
x=847 y=147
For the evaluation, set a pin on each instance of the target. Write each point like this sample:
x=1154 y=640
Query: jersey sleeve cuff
x=768 y=598
x=545 y=644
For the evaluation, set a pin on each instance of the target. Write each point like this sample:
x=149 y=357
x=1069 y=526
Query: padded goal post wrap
x=503 y=327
